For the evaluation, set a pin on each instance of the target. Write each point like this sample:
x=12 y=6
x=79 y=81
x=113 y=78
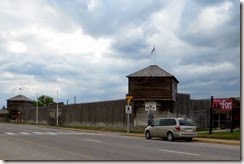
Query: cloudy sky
x=86 y=48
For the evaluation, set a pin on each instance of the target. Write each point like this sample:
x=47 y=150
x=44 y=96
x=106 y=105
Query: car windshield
x=186 y=122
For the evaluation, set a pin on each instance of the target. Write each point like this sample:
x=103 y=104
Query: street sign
x=150 y=106
x=128 y=109
x=128 y=98
x=222 y=104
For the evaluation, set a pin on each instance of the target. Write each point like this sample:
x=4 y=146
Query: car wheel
x=148 y=135
x=170 y=136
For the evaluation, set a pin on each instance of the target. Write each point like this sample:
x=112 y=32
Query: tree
x=3 y=108
x=44 y=100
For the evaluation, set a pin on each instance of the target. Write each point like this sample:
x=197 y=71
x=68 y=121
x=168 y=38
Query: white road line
x=10 y=133
x=41 y=133
x=51 y=133
x=24 y=133
x=179 y=152
x=64 y=133
x=78 y=133
x=92 y=140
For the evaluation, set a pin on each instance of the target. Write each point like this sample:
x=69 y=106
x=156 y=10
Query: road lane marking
x=24 y=133
x=10 y=133
x=179 y=152
x=78 y=133
x=41 y=133
x=51 y=133
x=92 y=140
x=63 y=133
x=48 y=133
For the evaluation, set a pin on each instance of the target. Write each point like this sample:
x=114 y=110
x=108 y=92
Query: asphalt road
x=28 y=142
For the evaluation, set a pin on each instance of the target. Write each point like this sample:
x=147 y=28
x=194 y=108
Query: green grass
x=221 y=135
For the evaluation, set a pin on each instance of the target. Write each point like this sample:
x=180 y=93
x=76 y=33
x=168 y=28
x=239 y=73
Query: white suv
x=171 y=128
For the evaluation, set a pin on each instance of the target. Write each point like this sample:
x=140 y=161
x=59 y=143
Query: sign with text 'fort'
x=222 y=104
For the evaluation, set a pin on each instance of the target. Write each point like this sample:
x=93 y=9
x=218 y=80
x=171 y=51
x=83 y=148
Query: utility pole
x=232 y=121
x=57 y=110
x=128 y=110
x=211 y=116
x=37 y=111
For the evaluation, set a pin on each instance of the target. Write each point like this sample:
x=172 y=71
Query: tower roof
x=152 y=71
x=20 y=98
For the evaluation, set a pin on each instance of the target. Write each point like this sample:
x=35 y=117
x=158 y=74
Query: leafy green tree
x=3 y=108
x=44 y=100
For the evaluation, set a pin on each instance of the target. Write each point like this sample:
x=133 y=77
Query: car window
x=171 y=122
x=186 y=122
x=156 y=123
x=167 y=122
x=162 y=122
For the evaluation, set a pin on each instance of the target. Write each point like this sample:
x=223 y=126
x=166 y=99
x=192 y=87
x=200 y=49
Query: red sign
x=224 y=105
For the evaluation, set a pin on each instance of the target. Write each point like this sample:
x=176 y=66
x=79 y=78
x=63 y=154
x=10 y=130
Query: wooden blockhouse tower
x=152 y=84
x=18 y=102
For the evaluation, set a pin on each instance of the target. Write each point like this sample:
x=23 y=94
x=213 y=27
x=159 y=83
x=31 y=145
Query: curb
x=219 y=141
x=207 y=140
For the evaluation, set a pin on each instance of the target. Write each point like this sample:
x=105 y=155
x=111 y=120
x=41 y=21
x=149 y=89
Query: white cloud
x=93 y=4
x=210 y=19
x=75 y=42
x=16 y=46
x=213 y=17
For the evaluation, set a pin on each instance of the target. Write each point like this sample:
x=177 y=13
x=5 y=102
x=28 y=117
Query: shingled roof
x=20 y=98
x=152 y=71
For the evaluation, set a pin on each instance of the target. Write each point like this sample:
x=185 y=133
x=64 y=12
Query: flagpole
x=154 y=58
x=153 y=52
x=154 y=55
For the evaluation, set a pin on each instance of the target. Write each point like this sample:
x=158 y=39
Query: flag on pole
x=153 y=50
